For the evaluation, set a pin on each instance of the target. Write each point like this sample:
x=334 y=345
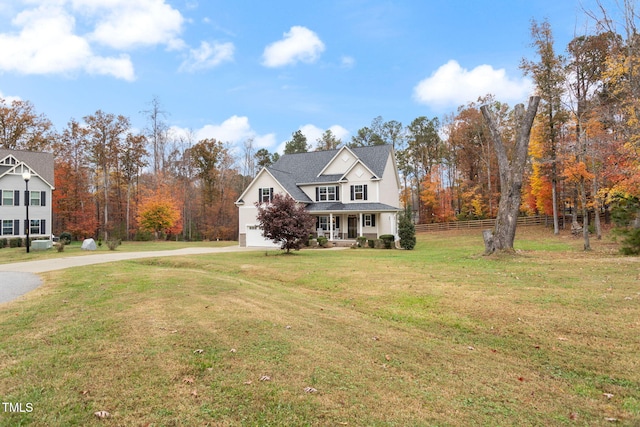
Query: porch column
x=331 y=227
x=360 y=224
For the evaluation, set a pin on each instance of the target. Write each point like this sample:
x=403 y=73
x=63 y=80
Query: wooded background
x=112 y=181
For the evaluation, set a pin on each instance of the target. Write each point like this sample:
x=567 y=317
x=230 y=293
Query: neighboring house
x=352 y=192
x=13 y=197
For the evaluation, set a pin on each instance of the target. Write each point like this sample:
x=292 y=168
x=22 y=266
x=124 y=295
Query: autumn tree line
x=112 y=181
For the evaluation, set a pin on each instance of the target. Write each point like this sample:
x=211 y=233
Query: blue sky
x=234 y=70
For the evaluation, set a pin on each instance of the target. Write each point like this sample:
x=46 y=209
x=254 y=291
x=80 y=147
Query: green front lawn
x=436 y=336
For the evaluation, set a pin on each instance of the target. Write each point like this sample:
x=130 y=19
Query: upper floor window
x=359 y=192
x=9 y=198
x=327 y=193
x=35 y=198
x=265 y=195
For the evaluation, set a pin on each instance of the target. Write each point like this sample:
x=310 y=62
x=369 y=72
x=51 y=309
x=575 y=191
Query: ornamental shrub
x=406 y=230
x=388 y=240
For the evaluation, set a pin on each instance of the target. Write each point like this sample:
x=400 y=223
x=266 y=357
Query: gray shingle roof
x=349 y=207
x=41 y=163
x=304 y=168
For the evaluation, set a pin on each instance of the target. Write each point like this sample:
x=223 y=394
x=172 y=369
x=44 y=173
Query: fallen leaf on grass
x=233 y=350
x=386 y=356
x=198 y=351
x=310 y=390
x=611 y=419
x=470 y=348
x=573 y=416
x=607 y=395
x=563 y=339
x=188 y=380
x=247 y=382
x=265 y=378
x=194 y=393
x=102 y=414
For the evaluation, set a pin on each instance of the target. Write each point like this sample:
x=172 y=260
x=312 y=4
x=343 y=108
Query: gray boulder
x=88 y=245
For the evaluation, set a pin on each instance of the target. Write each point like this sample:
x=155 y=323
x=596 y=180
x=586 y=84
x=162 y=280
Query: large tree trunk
x=511 y=174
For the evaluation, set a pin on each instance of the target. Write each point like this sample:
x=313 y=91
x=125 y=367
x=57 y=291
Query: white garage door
x=254 y=238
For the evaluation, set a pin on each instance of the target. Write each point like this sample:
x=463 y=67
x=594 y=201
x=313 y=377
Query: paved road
x=21 y=277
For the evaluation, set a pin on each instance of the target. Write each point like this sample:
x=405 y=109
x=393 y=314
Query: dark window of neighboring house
x=35 y=198
x=8 y=198
x=359 y=192
x=7 y=227
x=265 y=195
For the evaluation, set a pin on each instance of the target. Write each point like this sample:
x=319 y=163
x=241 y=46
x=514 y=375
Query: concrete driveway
x=21 y=277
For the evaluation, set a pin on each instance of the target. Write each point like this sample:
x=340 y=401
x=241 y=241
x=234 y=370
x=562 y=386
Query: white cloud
x=47 y=44
x=208 y=56
x=452 y=85
x=47 y=40
x=347 y=62
x=234 y=130
x=340 y=132
x=313 y=133
x=299 y=44
x=126 y=24
x=9 y=99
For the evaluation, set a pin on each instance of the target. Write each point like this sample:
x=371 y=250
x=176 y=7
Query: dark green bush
x=388 y=240
x=66 y=237
x=16 y=242
x=361 y=241
x=3 y=243
x=371 y=243
x=323 y=241
x=406 y=230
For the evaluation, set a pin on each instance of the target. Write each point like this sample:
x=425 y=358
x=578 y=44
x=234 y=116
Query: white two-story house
x=351 y=192
x=14 y=197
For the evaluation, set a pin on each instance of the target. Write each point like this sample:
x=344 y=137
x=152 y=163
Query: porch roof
x=350 y=207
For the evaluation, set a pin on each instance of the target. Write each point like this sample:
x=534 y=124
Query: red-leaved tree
x=284 y=221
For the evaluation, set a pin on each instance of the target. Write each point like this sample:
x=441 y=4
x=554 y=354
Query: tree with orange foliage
x=436 y=200
x=159 y=213
x=73 y=201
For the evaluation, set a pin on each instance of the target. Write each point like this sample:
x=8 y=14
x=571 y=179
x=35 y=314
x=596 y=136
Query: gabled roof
x=292 y=170
x=40 y=163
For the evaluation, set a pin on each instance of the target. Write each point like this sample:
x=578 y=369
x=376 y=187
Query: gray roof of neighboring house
x=41 y=163
x=348 y=207
x=304 y=168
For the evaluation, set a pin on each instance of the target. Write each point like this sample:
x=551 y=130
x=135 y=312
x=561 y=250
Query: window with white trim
x=34 y=198
x=8 y=197
x=265 y=195
x=327 y=193
x=7 y=227
x=322 y=222
x=369 y=220
x=35 y=226
x=359 y=192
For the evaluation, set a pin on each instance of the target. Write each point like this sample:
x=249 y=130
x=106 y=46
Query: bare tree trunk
x=554 y=202
x=511 y=174
x=585 y=216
